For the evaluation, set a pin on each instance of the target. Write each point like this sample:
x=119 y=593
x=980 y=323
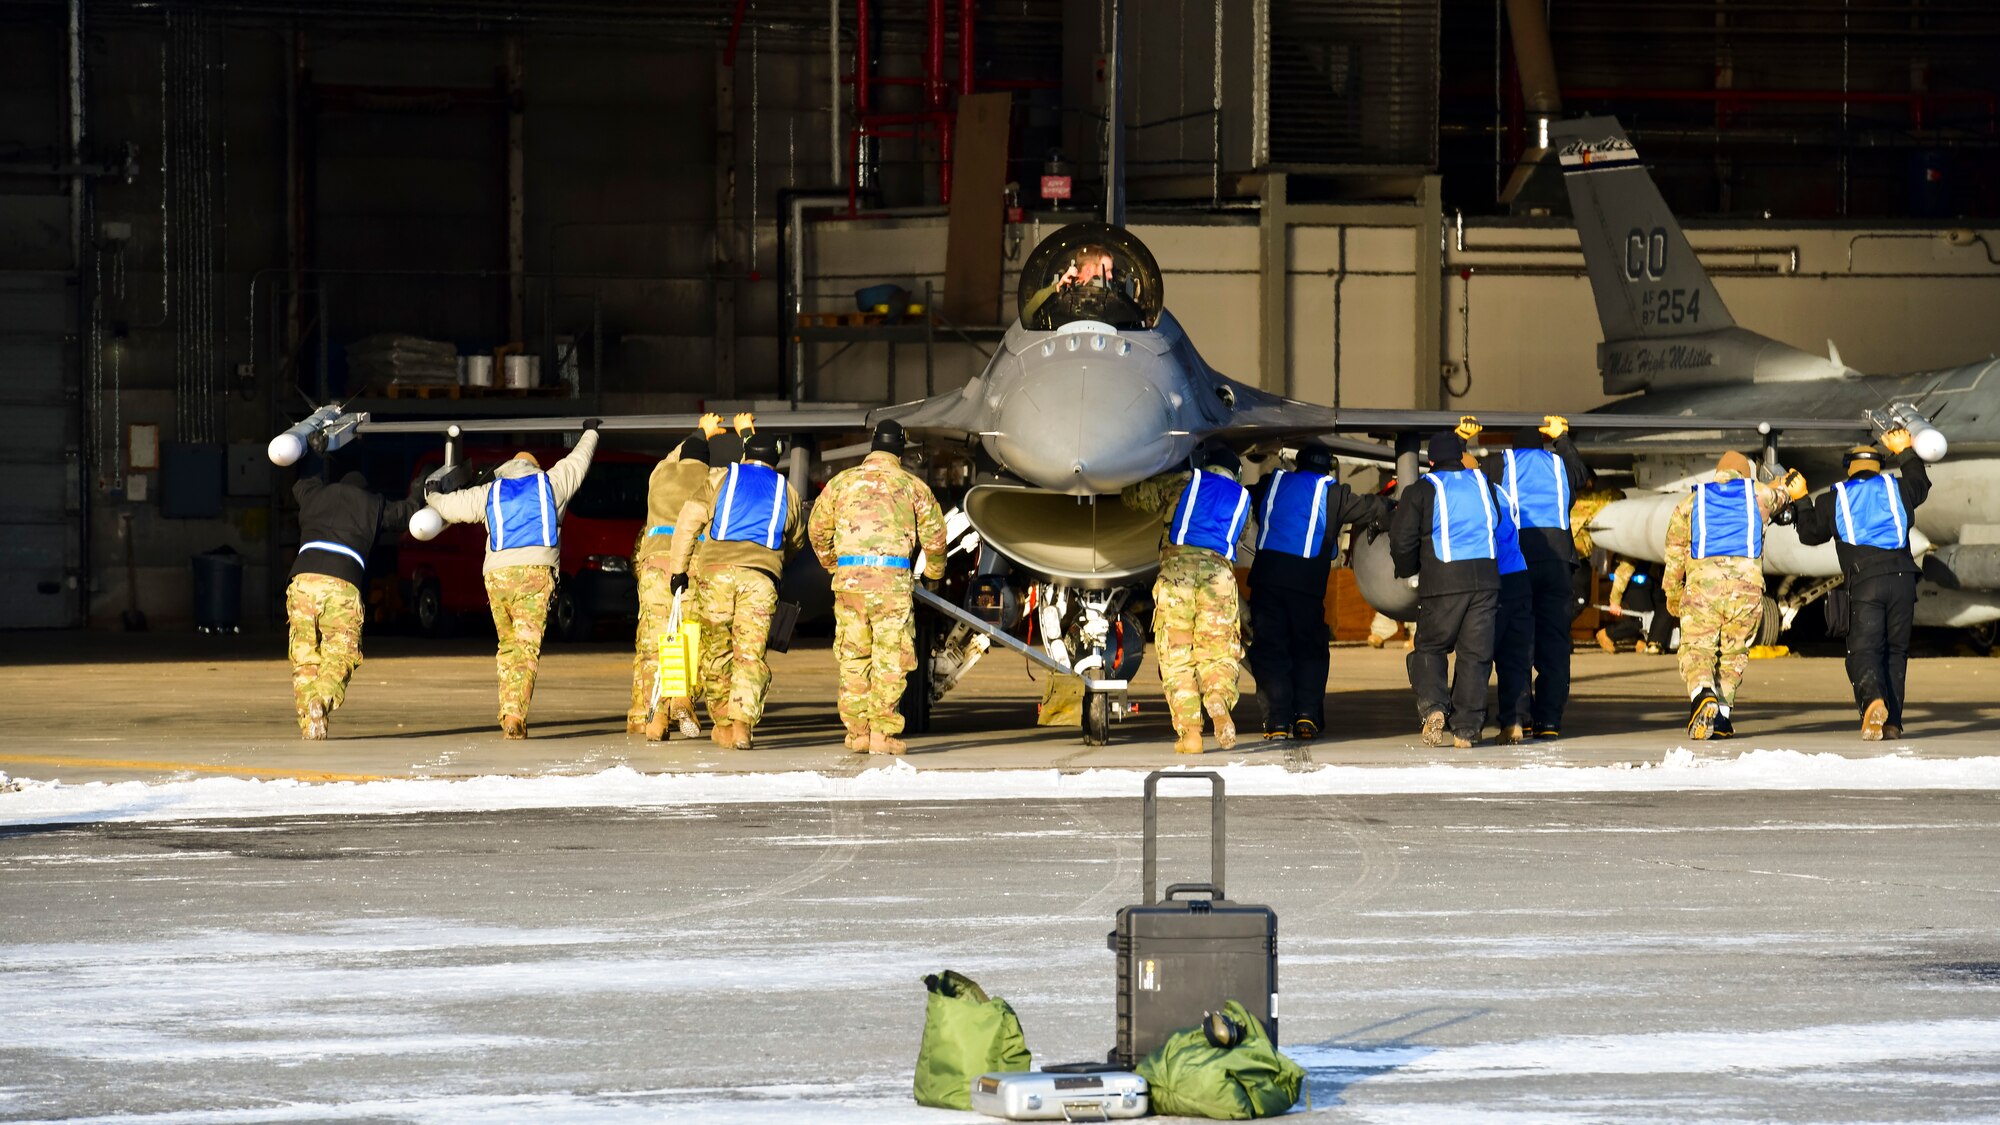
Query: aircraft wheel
x=916 y=702
x=567 y=618
x=1771 y=625
x=1096 y=717
x=428 y=606
x=1982 y=637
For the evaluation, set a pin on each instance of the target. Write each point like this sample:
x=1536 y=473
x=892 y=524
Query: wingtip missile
x=333 y=428
x=1929 y=441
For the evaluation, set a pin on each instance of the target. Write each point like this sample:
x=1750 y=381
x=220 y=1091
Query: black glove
x=1785 y=516
x=677 y=583
x=590 y=424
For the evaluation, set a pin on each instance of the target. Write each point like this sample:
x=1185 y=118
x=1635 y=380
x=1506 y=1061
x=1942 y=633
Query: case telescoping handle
x=1150 y=849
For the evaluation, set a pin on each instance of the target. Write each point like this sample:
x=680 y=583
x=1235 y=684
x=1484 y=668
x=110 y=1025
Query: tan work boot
x=1376 y=642
x=635 y=725
x=739 y=737
x=1463 y=743
x=1434 y=734
x=857 y=741
x=315 y=720
x=1512 y=735
x=1873 y=720
x=513 y=728
x=721 y=733
x=1605 y=642
x=1225 y=727
x=655 y=726
x=880 y=743
x=1188 y=742
x=1891 y=732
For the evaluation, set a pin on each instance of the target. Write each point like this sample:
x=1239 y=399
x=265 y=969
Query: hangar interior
x=215 y=215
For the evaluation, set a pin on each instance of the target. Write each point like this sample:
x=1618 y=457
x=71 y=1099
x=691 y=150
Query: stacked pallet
x=394 y=359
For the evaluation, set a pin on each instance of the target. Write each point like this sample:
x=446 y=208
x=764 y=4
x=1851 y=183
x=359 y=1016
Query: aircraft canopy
x=1090 y=271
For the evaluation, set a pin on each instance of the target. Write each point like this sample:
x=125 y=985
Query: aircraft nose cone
x=1085 y=426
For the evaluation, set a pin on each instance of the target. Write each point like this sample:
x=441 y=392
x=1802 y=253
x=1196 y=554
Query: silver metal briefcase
x=1040 y=1095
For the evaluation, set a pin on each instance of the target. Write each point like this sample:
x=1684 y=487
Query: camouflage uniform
x=673 y=483
x=738 y=592
x=325 y=615
x=875 y=508
x=519 y=597
x=735 y=604
x=1719 y=600
x=1195 y=633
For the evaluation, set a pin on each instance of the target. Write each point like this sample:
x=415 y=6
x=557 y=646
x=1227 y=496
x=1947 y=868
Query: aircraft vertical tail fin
x=1646 y=279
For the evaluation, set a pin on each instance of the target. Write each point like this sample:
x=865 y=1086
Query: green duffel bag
x=966 y=1034
x=1226 y=1069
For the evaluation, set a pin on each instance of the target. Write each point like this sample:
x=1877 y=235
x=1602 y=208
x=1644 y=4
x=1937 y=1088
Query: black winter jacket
x=346 y=513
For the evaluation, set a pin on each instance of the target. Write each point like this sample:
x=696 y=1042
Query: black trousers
x=1288 y=655
x=1464 y=623
x=1881 y=610
x=1554 y=609
x=1514 y=647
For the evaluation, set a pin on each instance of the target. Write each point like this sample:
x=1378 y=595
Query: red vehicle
x=441 y=579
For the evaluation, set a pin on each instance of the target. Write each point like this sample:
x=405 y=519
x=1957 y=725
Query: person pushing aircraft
x=1299 y=516
x=753 y=521
x=1868 y=517
x=522 y=508
x=1538 y=477
x=1196 y=635
x=673 y=482
x=1715 y=583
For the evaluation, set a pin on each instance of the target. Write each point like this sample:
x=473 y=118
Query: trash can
x=218 y=591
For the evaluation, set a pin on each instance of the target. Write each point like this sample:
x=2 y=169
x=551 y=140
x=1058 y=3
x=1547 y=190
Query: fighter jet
x=1669 y=337
x=1094 y=387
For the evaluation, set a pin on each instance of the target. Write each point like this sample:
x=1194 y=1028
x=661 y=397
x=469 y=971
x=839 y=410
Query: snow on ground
x=52 y=802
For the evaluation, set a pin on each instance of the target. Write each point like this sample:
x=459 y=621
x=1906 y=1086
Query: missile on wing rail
x=1636 y=527
x=327 y=422
x=1926 y=439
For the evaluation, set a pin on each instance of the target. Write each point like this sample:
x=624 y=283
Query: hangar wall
x=1518 y=328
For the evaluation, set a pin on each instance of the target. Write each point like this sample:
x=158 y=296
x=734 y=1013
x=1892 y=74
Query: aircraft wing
x=1258 y=417
x=781 y=421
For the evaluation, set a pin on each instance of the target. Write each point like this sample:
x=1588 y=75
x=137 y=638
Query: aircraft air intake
x=1077 y=541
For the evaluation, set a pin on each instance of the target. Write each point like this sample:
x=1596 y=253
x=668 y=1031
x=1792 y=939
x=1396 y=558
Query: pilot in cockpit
x=1104 y=281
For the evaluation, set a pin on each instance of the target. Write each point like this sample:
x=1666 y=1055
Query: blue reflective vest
x=1464 y=524
x=1210 y=513
x=1537 y=486
x=1507 y=544
x=750 y=506
x=1726 y=520
x=521 y=512
x=1872 y=514
x=1293 y=520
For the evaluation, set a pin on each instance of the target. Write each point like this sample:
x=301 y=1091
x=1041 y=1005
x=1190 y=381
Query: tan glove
x=1554 y=426
x=1896 y=440
x=711 y=425
x=746 y=423
x=1795 y=484
x=1468 y=427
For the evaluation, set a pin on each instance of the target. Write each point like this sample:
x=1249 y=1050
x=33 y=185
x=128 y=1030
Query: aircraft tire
x=1771 y=625
x=1096 y=717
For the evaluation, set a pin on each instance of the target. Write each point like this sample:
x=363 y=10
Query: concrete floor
x=87 y=707
x=1585 y=958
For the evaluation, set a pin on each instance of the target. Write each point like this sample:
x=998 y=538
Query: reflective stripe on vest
x=338 y=548
x=1726 y=521
x=521 y=512
x=1211 y=513
x=752 y=506
x=1872 y=516
x=1294 y=518
x=1463 y=522
x=1537 y=488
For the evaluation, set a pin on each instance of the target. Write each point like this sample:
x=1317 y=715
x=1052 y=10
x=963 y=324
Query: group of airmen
x=1488 y=547
x=716 y=540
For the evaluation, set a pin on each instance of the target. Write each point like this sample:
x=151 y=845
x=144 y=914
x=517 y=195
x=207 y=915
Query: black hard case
x=1181 y=957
